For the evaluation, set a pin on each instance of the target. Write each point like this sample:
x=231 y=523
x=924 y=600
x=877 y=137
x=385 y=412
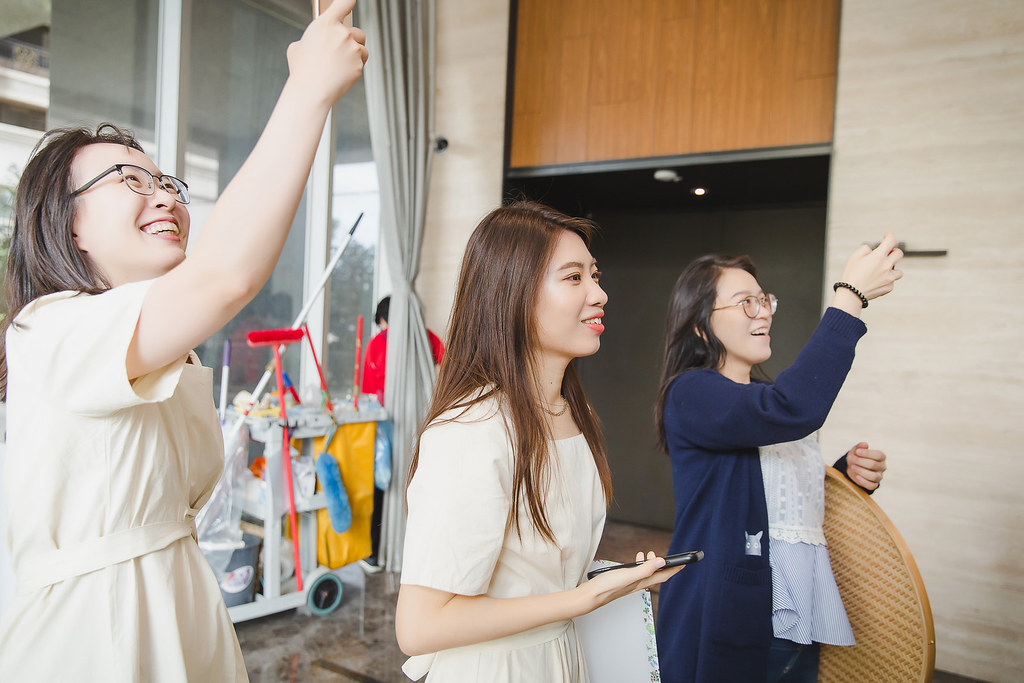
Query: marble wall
x=929 y=142
x=466 y=180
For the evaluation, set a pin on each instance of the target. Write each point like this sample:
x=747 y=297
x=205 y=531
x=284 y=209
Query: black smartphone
x=689 y=557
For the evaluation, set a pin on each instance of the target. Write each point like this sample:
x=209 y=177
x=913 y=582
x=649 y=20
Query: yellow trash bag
x=352 y=447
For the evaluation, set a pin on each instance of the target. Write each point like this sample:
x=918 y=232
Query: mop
x=276 y=339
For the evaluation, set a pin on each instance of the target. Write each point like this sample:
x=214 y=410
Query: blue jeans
x=790 y=662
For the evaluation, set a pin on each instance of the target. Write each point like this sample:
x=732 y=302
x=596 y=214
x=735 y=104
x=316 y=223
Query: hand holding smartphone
x=675 y=560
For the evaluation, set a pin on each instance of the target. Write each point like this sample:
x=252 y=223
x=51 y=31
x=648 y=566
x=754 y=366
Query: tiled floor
x=356 y=642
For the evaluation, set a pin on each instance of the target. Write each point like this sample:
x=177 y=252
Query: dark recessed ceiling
x=729 y=184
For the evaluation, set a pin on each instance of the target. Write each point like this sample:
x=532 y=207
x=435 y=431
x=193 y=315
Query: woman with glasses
x=113 y=440
x=748 y=476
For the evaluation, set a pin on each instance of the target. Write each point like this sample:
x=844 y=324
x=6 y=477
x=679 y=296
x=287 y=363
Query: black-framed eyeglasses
x=141 y=181
x=752 y=304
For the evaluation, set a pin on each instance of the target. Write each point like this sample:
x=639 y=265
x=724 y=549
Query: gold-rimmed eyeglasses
x=141 y=181
x=752 y=304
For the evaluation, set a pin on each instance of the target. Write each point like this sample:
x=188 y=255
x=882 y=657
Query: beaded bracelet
x=847 y=285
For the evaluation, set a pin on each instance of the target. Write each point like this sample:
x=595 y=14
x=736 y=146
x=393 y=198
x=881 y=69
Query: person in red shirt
x=373 y=383
x=377 y=352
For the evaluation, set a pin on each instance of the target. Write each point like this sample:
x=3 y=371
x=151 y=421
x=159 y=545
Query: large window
x=352 y=290
x=238 y=67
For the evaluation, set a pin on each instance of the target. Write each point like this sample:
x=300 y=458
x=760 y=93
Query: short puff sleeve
x=459 y=501
x=77 y=345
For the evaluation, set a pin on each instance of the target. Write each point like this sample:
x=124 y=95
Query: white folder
x=618 y=639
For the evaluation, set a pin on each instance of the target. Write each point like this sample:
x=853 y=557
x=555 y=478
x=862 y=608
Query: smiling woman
x=742 y=323
x=748 y=475
x=113 y=443
x=510 y=484
x=570 y=303
x=131 y=221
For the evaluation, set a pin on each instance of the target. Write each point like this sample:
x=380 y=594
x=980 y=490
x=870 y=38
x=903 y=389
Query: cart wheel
x=324 y=594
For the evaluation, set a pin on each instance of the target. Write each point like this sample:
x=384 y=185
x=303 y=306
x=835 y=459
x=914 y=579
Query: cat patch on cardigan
x=753 y=546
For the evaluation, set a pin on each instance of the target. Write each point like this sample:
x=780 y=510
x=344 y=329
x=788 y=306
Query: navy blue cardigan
x=714 y=618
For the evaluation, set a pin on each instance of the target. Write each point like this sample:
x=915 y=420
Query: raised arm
x=246 y=231
x=718 y=414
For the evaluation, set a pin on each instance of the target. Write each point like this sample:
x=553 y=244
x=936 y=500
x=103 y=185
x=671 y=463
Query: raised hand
x=872 y=272
x=329 y=57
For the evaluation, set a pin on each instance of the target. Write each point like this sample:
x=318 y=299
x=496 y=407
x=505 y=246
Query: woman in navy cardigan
x=732 y=440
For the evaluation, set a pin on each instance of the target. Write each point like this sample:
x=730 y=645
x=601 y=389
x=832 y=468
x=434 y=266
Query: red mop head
x=273 y=337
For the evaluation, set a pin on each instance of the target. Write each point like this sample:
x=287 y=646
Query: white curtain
x=400 y=101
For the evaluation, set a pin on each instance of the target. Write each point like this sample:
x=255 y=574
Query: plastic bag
x=382 y=455
x=219 y=522
x=304 y=476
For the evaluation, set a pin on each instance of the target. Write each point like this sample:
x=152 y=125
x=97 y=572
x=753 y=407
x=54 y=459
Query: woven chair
x=882 y=590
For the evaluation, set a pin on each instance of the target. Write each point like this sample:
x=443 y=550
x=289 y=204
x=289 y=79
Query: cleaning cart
x=266 y=502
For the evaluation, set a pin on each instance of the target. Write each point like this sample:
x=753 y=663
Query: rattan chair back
x=882 y=590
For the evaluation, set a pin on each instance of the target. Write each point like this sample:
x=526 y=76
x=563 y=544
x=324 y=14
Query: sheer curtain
x=400 y=100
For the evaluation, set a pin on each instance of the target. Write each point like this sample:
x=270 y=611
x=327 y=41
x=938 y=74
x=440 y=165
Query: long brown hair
x=43 y=257
x=492 y=341
x=689 y=341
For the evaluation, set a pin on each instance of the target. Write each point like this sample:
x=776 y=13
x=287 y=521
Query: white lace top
x=794 y=473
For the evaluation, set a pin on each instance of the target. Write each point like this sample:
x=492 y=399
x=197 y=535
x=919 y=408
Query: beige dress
x=457 y=541
x=103 y=480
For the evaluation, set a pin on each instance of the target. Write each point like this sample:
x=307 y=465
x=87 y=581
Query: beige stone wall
x=472 y=40
x=929 y=143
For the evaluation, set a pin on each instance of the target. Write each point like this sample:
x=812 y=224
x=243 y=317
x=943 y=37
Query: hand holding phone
x=675 y=560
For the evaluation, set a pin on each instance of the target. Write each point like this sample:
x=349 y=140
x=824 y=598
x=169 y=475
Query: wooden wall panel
x=606 y=80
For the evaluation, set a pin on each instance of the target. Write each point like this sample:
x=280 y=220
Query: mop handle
x=301 y=317
x=262 y=384
x=319 y=370
x=286 y=455
x=355 y=369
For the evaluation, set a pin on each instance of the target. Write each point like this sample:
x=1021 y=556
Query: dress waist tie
x=417 y=667
x=53 y=566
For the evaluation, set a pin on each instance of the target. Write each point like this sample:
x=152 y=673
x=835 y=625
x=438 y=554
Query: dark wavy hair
x=43 y=257
x=492 y=340
x=689 y=342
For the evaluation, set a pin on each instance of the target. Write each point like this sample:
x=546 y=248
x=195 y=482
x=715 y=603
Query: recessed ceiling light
x=699 y=191
x=667 y=175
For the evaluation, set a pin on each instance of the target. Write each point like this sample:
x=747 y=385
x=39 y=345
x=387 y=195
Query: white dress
x=103 y=480
x=458 y=540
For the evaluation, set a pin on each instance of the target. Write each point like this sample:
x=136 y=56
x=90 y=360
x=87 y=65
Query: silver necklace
x=565 y=407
